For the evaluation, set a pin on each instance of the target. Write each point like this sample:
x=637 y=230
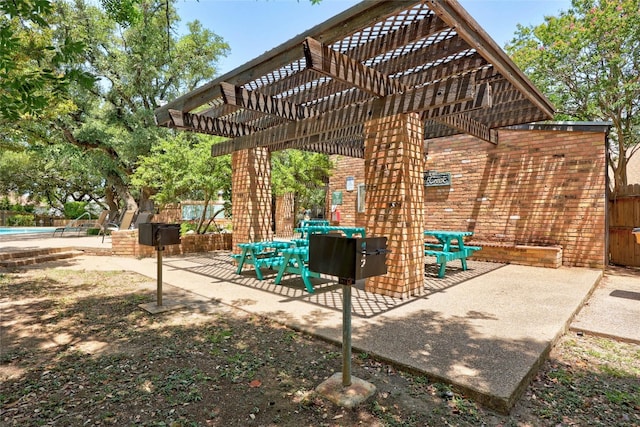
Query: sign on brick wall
x=436 y=179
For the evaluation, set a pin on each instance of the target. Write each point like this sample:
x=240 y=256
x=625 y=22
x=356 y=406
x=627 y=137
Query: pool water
x=25 y=230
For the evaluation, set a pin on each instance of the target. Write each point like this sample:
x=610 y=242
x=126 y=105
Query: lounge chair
x=84 y=226
x=125 y=223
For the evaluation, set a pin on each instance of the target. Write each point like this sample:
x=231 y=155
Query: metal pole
x=159 y=249
x=346 y=335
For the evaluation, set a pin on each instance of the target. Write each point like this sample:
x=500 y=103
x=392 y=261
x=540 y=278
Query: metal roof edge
x=567 y=126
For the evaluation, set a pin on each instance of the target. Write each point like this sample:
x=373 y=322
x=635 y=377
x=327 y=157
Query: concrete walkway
x=485 y=330
x=614 y=308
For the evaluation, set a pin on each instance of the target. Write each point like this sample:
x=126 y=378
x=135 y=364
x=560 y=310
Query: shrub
x=21 y=220
x=187 y=226
x=73 y=210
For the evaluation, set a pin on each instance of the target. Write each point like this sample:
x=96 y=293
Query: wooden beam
x=417 y=30
x=454 y=93
x=188 y=102
x=411 y=33
x=360 y=16
x=445 y=70
x=416 y=58
x=208 y=125
x=340 y=67
x=466 y=124
x=347 y=141
x=252 y=100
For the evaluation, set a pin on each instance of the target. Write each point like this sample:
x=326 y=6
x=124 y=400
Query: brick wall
x=251 y=189
x=285 y=217
x=125 y=243
x=535 y=188
x=346 y=167
x=543 y=188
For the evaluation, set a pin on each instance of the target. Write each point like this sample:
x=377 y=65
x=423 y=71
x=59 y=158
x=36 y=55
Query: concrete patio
x=485 y=330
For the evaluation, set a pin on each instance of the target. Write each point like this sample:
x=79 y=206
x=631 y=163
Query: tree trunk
x=125 y=195
x=620 y=169
x=203 y=217
x=146 y=204
x=110 y=199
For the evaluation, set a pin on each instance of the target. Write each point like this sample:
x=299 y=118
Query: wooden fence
x=624 y=216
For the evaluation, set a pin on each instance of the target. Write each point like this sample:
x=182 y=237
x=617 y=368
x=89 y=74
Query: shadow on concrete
x=220 y=267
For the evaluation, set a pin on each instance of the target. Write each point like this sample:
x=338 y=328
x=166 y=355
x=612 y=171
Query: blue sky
x=252 y=27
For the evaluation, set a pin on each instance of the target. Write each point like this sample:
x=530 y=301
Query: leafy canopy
x=586 y=61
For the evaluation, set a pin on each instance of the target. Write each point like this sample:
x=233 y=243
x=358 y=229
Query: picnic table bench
x=284 y=256
x=326 y=229
x=446 y=250
x=313 y=222
x=290 y=256
x=264 y=254
x=296 y=261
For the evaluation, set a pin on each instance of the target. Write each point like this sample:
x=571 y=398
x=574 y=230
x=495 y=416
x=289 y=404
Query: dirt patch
x=76 y=350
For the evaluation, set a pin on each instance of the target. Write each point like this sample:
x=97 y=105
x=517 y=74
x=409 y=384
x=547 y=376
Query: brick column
x=285 y=216
x=251 y=196
x=394 y=162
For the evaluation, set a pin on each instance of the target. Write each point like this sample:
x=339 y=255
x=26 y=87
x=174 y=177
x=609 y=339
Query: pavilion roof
x=378 y=58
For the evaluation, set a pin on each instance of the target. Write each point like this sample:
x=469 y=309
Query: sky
x=252 y=27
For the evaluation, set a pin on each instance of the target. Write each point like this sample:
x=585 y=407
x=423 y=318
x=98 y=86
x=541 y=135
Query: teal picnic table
x=296 y=261
x=314 y=222
x=450 y=247
x=326 y=229
x=264 y=254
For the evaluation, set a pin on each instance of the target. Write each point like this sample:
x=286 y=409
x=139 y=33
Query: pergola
x=422 y=68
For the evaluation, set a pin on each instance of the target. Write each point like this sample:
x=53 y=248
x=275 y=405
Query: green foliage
x=586 y=62
x=35 y=70
x=73 y=210
x=303 y=173
x=124 y=12
x=99 y=129
x=181 y=168
x=21 y=220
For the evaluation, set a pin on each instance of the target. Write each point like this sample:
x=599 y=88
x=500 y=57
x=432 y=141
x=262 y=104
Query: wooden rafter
x=394 y=39
x=219 y=111
x=380 y=57
x=208 y=125
x=467 y=28
x=466 y=124
x=445 y=70
x=341 y=67
x=346 y=141
x=403 y=36
x=447 y=97
x=434 y=52
x=252 y=100
x=327 y=32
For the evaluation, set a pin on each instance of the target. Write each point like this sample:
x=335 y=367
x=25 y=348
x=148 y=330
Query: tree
x=53 y=174
x=586 y=60
x=180 y=168
x=136 y=67
x=303 y=173
x=35 y=69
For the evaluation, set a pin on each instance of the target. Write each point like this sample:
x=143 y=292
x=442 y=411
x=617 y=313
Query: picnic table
x=450 y=247
x=296 y=261
x=284 y=256
x=326 y=229
x=313 y=222
x=261 y=254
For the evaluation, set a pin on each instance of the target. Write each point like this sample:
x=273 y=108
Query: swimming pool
x=4 y=231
